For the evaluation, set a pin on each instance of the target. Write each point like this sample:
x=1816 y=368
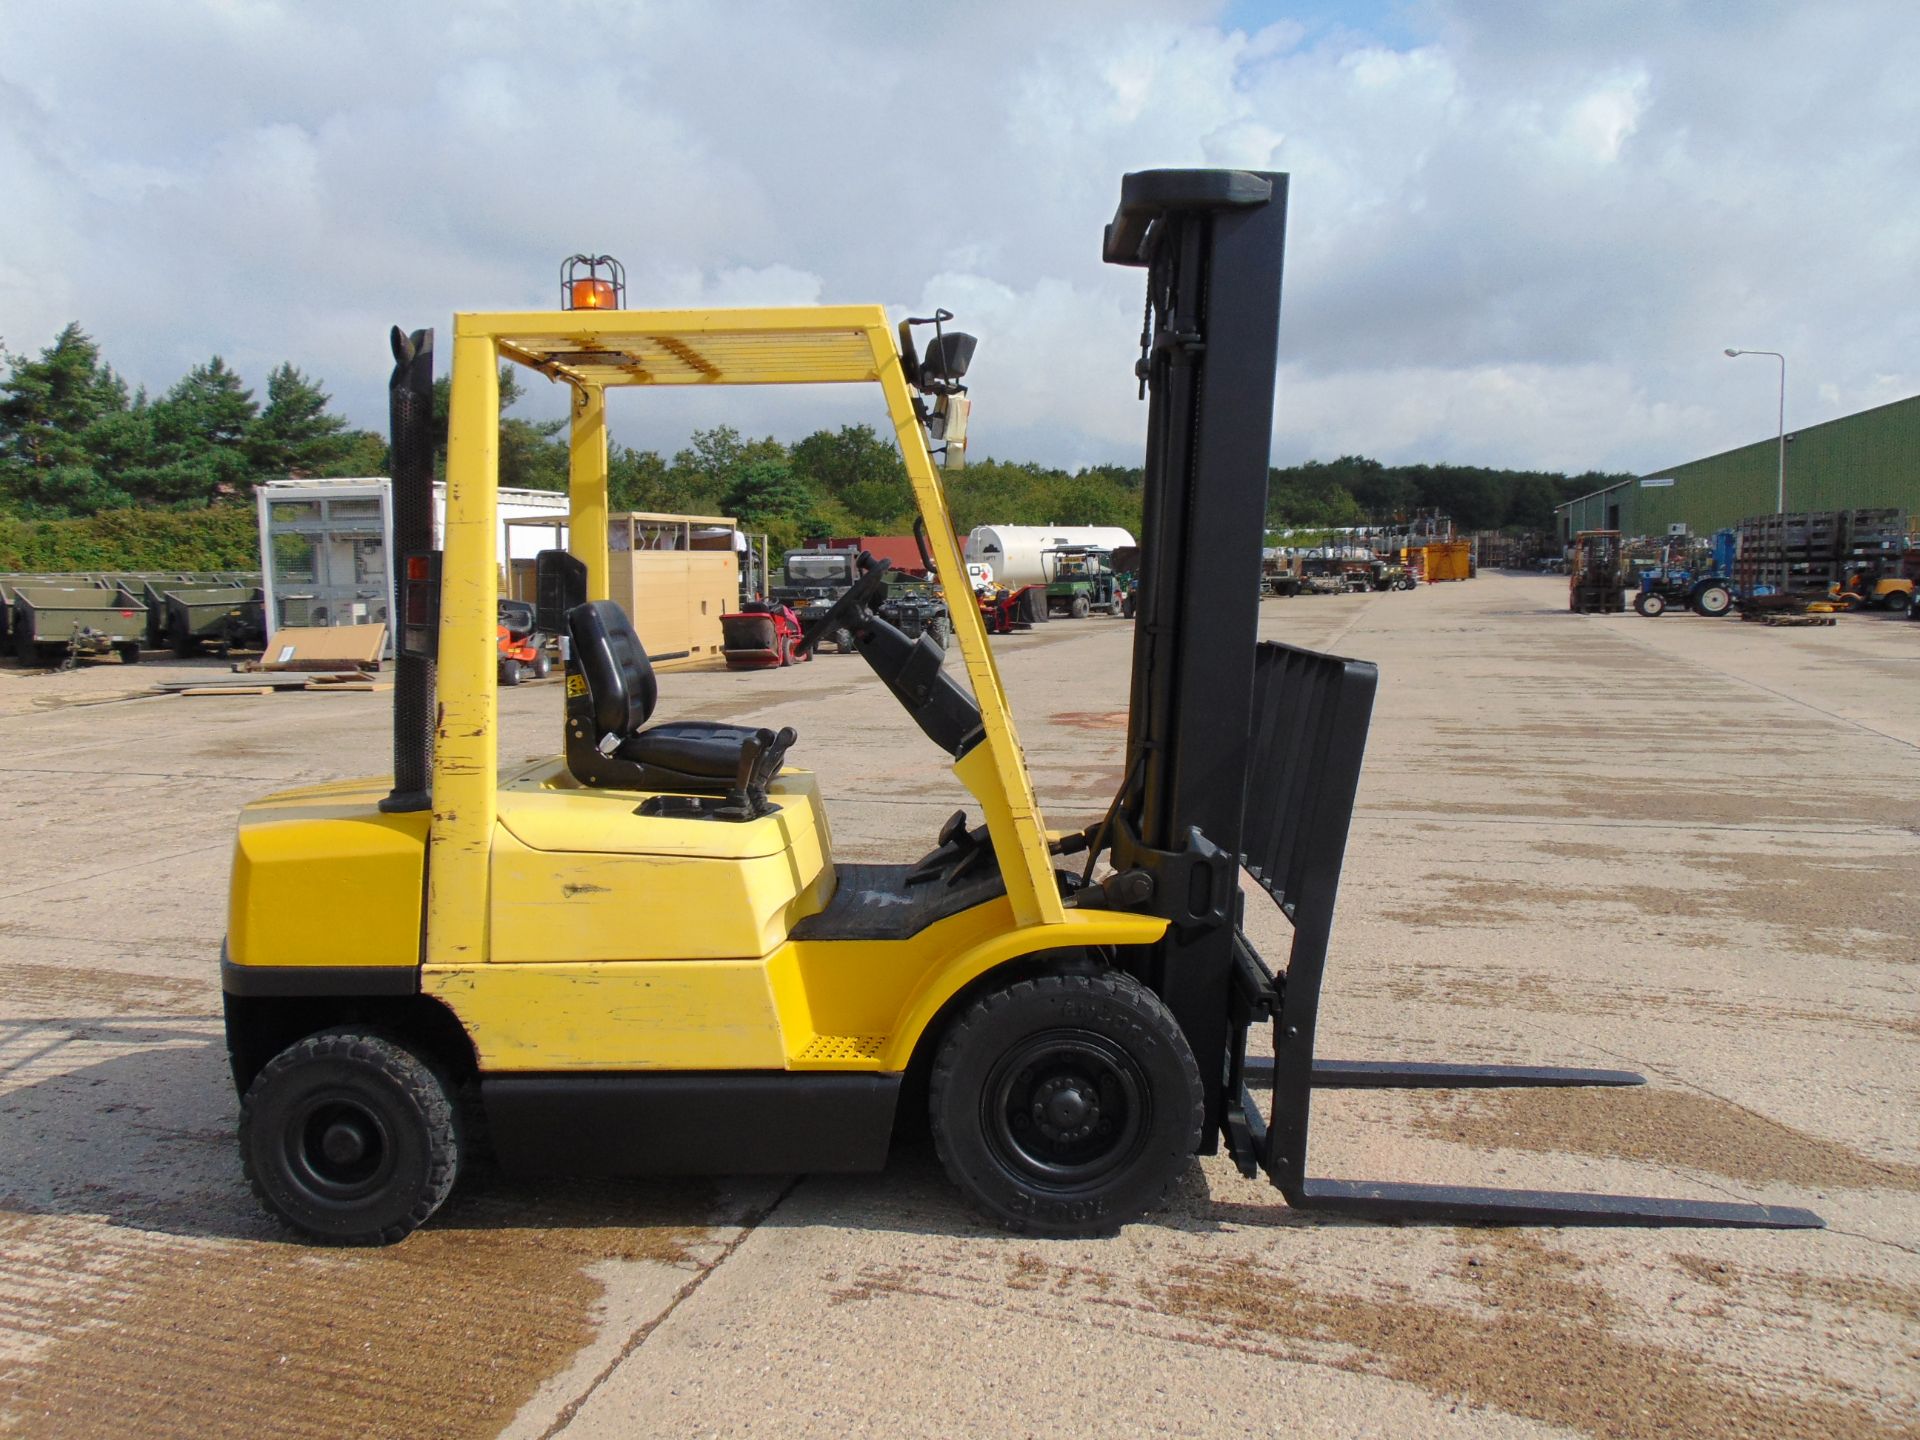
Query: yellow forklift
x=640 y=956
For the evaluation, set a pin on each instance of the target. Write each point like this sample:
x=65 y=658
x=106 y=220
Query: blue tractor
x=1696 y=577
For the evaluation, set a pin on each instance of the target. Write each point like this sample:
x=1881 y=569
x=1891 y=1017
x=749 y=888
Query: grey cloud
x=1520 y=233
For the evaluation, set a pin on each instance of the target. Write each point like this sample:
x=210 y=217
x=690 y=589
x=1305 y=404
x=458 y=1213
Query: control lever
x=739 y=804
x=767 y=765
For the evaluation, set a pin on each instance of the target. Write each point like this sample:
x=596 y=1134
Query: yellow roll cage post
x=592 y=350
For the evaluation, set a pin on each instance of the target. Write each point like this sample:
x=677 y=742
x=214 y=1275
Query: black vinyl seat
x=699 y=756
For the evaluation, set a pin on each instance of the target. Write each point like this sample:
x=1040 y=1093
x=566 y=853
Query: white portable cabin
x=325 y=545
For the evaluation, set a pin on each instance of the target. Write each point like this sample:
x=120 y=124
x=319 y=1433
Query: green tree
x=767 y=495
x=296 y=434
x=366 y=452
x=47 y=406
x=709 y=469
x=638 y=480
x=864 y=473
x=200 y=430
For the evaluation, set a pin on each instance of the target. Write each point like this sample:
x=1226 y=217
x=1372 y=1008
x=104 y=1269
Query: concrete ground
x=1682 y=846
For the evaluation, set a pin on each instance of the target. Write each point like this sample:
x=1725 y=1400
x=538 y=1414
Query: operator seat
x=698 y=756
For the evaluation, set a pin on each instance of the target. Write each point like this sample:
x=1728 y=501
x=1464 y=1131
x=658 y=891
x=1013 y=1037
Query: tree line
x=75 y=441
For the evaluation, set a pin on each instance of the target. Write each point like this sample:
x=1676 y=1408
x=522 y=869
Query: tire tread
x=1113 y=985
x=414 y=1078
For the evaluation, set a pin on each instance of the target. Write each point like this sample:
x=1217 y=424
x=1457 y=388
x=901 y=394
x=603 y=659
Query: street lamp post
x=1780 y=501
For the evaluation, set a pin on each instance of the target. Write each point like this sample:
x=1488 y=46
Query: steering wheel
x=859 y=596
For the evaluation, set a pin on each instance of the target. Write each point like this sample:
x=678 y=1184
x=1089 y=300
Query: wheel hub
x=345 y=1143
x=1066 y=1108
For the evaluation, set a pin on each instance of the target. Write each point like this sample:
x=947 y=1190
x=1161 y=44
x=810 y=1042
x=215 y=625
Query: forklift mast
x=1208 y=372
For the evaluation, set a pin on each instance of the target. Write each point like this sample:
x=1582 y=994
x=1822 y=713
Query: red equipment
x=1006 y=611
x=523 y=650
x=760 y=636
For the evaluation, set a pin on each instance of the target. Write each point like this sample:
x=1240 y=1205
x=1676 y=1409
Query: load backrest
x=619 y=676
x=1309 y=734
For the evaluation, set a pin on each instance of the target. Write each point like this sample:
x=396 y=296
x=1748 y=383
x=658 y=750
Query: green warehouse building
x=1870 y=460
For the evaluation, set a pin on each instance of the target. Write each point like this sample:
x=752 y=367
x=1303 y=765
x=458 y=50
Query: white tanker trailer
x=1014 y=551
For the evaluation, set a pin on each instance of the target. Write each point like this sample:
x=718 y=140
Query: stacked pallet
x=1812 y=551
x=1876 y=540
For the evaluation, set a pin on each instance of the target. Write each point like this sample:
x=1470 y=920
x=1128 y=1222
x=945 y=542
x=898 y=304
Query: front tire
x=1079 y=607
x=1649 y=604
x=350 y=1138
x=1066 y=1105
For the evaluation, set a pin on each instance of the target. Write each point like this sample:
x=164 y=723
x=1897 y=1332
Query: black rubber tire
x=1649 y=604
x=129 y=653
x=542 y=665
x=510 y=673
x=1712 y=601
x=184 y=647
x=361 y=1088
x=1899 y=602
x=937 y=632
x=842 y=640
x=1126 y=608
x=1079 y=607
x=1104 y=1047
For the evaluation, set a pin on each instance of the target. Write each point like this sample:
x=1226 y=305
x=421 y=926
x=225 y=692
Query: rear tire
x=1712 y=601
x=129 y=653
x=351 y=1138
x=542 y=665
x=1899 y=602
x=1066 y=1105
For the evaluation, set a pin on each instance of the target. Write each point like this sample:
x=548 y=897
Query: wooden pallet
x=1778 y=618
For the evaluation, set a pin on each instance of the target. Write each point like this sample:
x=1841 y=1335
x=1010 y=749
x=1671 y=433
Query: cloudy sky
x=1522 y=231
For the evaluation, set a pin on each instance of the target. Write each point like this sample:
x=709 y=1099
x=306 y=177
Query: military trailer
x=56 y=623
x=223 y=617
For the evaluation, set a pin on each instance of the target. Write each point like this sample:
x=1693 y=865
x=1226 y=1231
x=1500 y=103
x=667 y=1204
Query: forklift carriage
x=640 y=956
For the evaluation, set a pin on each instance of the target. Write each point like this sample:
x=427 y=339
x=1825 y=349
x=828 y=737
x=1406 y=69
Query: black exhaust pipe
x=410 y=415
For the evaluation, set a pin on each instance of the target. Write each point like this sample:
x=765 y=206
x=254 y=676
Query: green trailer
x=226 y=617
x=10 y=584
x=52 y=623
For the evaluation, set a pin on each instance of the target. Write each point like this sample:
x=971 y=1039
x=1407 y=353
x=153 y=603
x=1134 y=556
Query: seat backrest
x=619 y=677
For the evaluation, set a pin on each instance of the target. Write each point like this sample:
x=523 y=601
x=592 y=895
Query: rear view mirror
x=945 y=363
x=559 y=584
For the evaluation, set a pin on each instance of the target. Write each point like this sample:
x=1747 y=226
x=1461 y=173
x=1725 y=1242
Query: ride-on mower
x=641 y=956
x=761 y=635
